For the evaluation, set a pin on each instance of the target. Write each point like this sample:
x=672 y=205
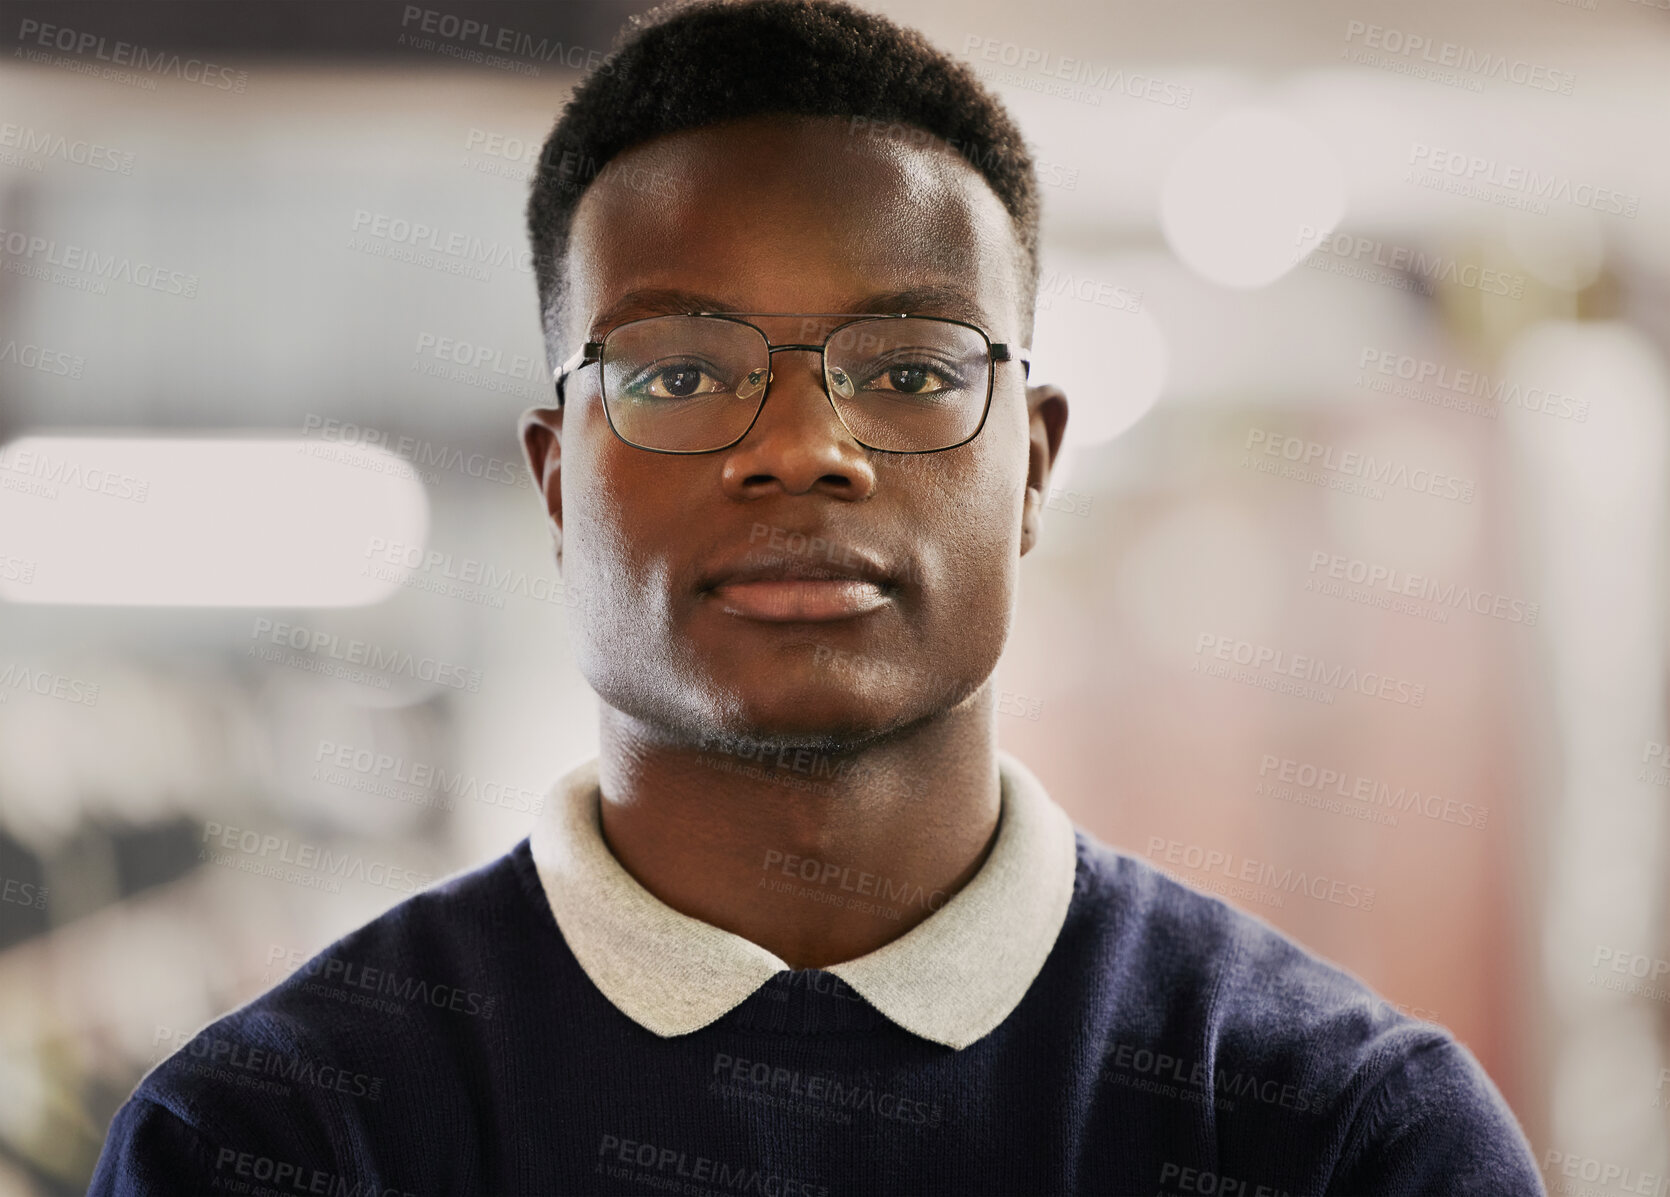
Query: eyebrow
x=655 y=301
x=933 y=299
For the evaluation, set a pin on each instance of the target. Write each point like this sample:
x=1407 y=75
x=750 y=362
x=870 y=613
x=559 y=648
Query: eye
x=913 y=375
x=912 y=379
x=682 y=378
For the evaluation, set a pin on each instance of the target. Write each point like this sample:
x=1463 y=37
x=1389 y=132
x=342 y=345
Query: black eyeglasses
x=695 y=383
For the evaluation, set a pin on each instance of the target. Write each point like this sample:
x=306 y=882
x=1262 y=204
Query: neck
x=818 y=856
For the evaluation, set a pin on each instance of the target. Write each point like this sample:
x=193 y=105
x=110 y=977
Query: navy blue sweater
x=1171 y=1045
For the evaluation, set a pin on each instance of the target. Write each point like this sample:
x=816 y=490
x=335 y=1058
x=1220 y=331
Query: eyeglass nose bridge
x=754 y=384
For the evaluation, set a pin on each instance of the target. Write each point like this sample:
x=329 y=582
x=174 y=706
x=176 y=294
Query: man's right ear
x=540 y=430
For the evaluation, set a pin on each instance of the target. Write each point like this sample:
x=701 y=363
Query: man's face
x=703 y=612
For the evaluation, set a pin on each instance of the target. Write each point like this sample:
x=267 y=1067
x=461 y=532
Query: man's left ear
x=1046 y=413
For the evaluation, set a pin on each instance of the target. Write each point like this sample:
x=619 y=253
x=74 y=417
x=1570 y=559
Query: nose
x=798 y=443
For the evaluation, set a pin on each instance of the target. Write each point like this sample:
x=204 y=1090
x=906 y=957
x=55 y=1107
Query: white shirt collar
x=951 y=979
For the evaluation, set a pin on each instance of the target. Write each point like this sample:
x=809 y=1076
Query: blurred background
x=1355 y=566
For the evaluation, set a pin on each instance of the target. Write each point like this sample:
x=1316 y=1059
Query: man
x=801 y=928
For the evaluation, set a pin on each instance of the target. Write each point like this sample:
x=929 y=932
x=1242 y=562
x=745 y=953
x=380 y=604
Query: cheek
x=994 y=491
x=610 y=522
x=622 y=619
x=984 y=546
x=972 y=563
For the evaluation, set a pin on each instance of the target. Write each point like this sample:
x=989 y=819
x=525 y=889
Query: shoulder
x=1172 y=944
x=1211 y=1000
x=428 y=954
x=398 y=1006
x=440 y=952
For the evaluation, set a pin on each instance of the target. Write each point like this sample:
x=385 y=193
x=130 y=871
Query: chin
x=825 y=722
x=776 y=712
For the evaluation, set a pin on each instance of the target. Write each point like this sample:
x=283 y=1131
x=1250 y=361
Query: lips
x=789 y=601
x=842 y=582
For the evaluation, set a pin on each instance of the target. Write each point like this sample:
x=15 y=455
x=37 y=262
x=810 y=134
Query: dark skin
x=890 y=712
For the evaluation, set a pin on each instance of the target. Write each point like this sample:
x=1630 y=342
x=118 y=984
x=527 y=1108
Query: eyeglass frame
x=591 y=353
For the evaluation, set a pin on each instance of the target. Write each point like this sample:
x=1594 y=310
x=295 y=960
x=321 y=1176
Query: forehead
x=792 y=214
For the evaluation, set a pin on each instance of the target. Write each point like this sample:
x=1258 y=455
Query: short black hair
x=693 y=63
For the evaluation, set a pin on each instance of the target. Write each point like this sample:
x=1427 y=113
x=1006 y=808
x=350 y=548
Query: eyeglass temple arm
x=584 y=356
x=1013 y=353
